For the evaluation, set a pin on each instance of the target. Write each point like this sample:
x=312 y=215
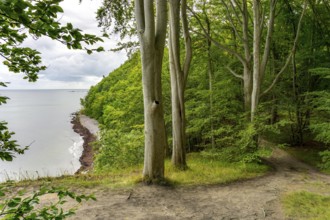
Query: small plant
x=29 y=207
x=325 y=160
x=283 y=146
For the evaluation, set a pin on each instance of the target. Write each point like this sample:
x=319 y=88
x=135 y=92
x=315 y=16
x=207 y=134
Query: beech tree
x=179 y=75
x=150 y=18
x=260 y=60
x=255 y=47
x=151 y=28
x=238 y=16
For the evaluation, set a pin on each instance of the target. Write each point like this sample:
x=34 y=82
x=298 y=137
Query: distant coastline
x=86 y=159
x=69 y=90
x=43 y=118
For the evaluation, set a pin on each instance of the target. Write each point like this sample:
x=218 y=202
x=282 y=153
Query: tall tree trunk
x=152 y=42
x=247 y=87
x=259 y=65
x=299 y=126
x=210 y=74
x=274 y=109
x=178 y=79
x=247 y=74
x=178 y=121
x=256 y=57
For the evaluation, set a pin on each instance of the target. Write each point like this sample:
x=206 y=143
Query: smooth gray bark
x=254 y=61
x=256 y=57
x=179 y=76
x=247 y=73
x=260 y=64
x=152 y=33
x=209 y=74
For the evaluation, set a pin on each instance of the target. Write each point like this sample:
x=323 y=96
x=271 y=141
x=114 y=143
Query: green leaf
x=78 y=199
x=14 y=202
x=2 y=193
x=100 y=49
x=69 y=26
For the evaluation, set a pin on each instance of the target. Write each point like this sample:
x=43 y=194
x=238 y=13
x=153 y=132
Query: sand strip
x=88 y=129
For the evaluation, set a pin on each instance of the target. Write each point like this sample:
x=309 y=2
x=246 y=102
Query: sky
x=70 y=69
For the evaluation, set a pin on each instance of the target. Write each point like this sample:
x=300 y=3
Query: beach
x=88 y=129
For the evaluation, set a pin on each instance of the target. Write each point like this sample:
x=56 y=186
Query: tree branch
x=231 y=21
x=161 y=21
x=5 y=57
x=245 y=28
x=149 y=21
x=36 y=31
x=234 y=7
x=234 y=73
x=139 y=13
x=187 y=39
x=290 y=54
x=268 y=38
x=216 y=43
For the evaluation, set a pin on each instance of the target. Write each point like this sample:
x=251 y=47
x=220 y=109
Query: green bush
x=120 y=149
x=325 y=159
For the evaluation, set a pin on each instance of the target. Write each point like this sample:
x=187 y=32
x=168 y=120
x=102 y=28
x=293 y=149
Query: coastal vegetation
x=220 y=91
x=224 y=109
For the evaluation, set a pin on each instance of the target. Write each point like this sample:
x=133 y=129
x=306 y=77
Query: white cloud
x=70 y=69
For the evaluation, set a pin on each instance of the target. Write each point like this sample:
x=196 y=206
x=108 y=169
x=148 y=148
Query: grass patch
x=310 y=156
x=113 y=179
x=203 y=169
x=306 y=205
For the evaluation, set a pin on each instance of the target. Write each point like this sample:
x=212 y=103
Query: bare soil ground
x=252 y=199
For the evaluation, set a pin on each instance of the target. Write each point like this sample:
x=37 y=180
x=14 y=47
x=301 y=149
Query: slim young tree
x=179 y=75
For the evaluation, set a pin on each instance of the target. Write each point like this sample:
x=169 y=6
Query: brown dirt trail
x=252 y=199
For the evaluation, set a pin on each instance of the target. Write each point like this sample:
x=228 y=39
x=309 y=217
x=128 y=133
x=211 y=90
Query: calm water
x=41 y=119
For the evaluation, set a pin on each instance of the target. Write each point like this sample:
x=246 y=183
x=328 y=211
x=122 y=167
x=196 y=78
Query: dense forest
x=233 y=74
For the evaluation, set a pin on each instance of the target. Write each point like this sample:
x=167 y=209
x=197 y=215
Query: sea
x=41 y=119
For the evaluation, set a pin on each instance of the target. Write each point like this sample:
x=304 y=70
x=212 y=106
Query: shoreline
x=86 y=158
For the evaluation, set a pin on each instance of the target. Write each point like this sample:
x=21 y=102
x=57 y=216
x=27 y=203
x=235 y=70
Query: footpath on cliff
x=258 y=198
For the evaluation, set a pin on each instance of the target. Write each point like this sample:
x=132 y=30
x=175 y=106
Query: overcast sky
x=70 y=69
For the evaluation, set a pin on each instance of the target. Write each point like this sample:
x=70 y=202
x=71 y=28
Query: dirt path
x=252 y=199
